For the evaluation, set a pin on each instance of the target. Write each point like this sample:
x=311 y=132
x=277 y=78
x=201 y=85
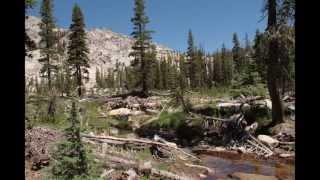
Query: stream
x=228 y=165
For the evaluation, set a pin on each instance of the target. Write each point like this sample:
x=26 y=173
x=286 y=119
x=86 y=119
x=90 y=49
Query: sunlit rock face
x=106 y=48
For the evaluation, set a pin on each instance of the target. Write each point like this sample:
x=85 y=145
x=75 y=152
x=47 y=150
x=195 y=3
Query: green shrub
x=170 y=120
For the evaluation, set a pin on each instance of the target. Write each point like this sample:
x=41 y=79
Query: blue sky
x=211 y=21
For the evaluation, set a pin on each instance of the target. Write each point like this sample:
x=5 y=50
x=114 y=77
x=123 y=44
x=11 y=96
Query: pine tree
x=110 y=81
x=47 y=42
x=70 y=157
x=210 y=71
x=259 y=55
x=182 y=72
x=164 y=73
x=226 y=66
x=201 y=68
x=236 y=51
x=141 y=45
x=98 y=78
x=30 y=4
x=247 y=43
x=151 y=65
x=157 y=76
x=77 y=50
x=217 y=66
x=191 y=61
x=172 y=75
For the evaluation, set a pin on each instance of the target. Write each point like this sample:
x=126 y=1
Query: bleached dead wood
x=286 y=143
x=257 y=144
x=160 y=94
x=168 y=175
x=209 y=170
x=139 y=141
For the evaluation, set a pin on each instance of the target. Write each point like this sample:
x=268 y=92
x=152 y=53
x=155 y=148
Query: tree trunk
x=49 y=72
x=273 y=67
x=79 y=81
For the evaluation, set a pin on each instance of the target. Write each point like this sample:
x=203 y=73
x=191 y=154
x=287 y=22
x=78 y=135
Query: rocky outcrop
x=106 y=48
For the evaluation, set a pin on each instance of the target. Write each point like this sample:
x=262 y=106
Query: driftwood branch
x=139 y=141
x=209 y=170
x=168 y=175
x=286 y=143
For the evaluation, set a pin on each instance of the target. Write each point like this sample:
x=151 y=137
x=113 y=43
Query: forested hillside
x=101 y=105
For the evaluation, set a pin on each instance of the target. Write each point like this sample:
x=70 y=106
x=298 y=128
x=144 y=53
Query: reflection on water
x=225 y=166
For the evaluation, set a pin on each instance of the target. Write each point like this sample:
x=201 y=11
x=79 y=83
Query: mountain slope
x=106 y=47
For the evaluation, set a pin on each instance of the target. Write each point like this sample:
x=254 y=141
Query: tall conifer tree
x=47 y=42
x=77 y=50
x=141 y=45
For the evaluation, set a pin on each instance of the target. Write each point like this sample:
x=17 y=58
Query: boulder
x=247 y=176
x=152 y=105
x=137 y=113
x=219 y=148
x=287 y=128
x=241 y=150
x=132 y=175
x=145 y=167
x=245 y=107
x=268 y=103
x=114 y=131
x=268 y=140
x=120 y=112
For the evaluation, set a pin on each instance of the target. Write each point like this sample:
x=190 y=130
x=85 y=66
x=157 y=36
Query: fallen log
x=210 y=118
x=140 y=141
x=260 y=143
x=160 y=94
x=209 y=170
x=168 y=175
x=286 y=143
x=269 y=153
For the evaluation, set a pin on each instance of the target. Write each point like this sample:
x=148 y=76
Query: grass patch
x=170 y=120
x=218 y=92
x=251 y=90
x=163 y=166
x=144 y=154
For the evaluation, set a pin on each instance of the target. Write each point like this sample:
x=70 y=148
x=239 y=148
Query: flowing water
x=227 y=165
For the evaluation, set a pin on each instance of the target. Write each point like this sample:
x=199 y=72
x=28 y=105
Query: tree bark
x=49 y=72
x=79 y=81
x=273 y=66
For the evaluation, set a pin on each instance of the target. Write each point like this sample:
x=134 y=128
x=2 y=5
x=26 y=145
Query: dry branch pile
x=37 y=144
